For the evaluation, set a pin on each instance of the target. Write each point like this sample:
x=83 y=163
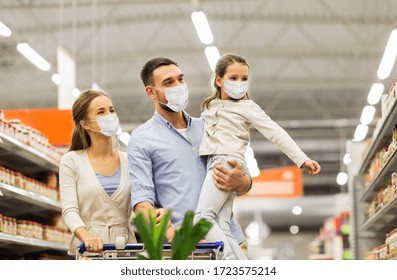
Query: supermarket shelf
x=320 y=257
x=28 y=244
x=21 y=157
x=381 y=177
x=11 y=196
x=382 y=138
x=384 y=220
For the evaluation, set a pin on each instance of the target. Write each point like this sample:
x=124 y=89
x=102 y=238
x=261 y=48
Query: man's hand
x=170 y=232
x=147 y=209
x=231 y=179
x=159 y=214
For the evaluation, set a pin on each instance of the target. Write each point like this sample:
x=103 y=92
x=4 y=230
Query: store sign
x=277 y=182
x=56 y=124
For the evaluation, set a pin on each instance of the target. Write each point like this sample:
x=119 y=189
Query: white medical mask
x=177 y=97
x=236 y=90
x=109 y=124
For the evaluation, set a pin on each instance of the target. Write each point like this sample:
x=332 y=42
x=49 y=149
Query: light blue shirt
x=110 y=183
x=165 y=168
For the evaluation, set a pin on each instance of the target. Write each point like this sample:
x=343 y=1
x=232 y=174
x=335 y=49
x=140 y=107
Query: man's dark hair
x=151 y=65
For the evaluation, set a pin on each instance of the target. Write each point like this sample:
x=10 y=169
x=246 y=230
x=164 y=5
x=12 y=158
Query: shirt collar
x=159 y=118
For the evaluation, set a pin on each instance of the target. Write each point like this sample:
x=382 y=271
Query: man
x=163 y=154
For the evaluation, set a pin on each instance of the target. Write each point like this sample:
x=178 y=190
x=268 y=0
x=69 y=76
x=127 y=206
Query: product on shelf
x=332 y=241
x=8 y=224
x=390 y=99
x=19 y=180
x=29 y=136
x=383 y=197
x=29 y=229
x=379 y=190
x=33 y=170
x=391 y=242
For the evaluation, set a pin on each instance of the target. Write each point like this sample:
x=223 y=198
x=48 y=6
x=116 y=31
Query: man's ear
x=150 y=91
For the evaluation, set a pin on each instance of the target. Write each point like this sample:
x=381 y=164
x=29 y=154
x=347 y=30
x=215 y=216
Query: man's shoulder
x=197 y=120
x=144 y=128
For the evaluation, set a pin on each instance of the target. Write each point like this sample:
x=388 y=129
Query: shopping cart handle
x=211 y=245
x=167 y=246
x=202 y=245
x=139 y=247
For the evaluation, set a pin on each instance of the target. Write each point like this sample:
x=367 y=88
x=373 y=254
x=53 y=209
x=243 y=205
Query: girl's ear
x=218 y=81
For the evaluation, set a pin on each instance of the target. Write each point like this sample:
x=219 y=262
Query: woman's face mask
x=177 y=97
x=235 y=89
x=108 y=124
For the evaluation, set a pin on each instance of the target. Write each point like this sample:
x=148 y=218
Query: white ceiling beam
x=386 y=21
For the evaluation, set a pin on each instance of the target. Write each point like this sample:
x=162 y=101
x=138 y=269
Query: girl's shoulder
x=241 y=102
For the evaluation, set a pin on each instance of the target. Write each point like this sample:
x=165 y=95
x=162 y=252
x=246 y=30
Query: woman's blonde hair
x=220 y=71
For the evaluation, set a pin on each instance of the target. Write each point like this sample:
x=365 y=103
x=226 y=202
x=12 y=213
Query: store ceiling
x=312 y=62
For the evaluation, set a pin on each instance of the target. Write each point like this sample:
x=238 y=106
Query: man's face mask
x=236 y=90
x=177 y=97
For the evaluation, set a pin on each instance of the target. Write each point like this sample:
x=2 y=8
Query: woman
x=94 y=181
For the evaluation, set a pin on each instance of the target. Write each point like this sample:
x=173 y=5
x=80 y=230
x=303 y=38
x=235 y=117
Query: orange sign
x=277 y=182
x=56 y=124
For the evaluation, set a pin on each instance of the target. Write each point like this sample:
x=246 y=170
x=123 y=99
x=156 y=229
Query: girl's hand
x=312 y=166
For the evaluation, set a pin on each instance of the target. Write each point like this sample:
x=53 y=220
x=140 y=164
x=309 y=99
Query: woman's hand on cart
x=93 y=245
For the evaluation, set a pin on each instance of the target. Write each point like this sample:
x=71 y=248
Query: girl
x=94 y=181
x=228 y=115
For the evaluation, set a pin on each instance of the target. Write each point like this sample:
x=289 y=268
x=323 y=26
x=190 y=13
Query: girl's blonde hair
x=220 y=70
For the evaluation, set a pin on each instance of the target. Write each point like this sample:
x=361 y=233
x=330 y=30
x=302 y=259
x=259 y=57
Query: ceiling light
x=4 y=30
x=368 y=114
x=76 y=92
x=297 y=210
x=294 y=229
x=389 y=56
x=56 y=78
x=341 y=178
x=375 y=93
x=95 y=86
x=202 y=27
x=33 y=56
x=212 y=55
x=361 y=132
x=347 y=159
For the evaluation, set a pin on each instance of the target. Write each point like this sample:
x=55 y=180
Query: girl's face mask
x=235 y=89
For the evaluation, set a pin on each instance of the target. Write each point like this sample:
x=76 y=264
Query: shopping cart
x=203 y=251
